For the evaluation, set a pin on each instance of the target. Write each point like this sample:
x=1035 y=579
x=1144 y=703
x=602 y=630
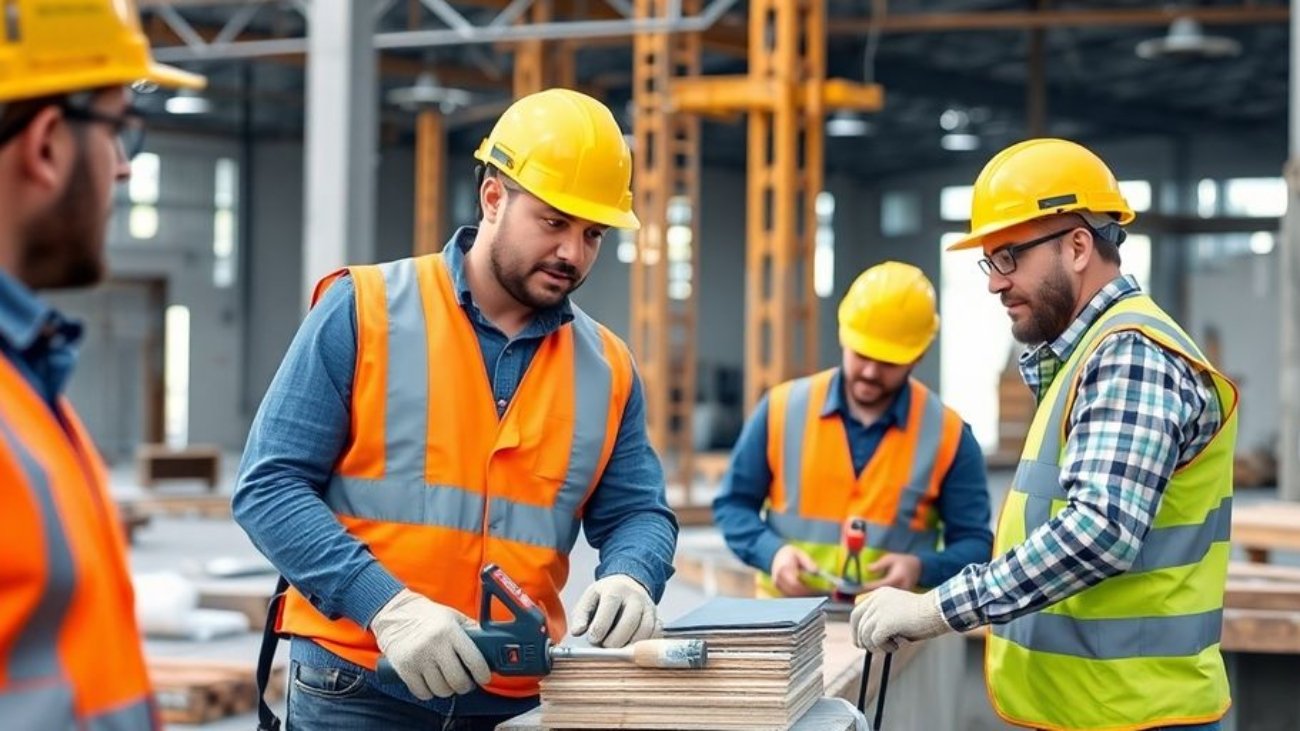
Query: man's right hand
x=788 y=563
x=427 y=645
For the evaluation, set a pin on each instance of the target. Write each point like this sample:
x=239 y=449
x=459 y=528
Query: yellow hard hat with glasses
x=565 y=148
x=57 y=47
x=1041 y=177
x=889 y=313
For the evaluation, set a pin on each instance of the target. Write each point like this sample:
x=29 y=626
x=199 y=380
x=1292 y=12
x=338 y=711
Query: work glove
x=789 y=562
x=887 y=618
x=426 y=644
x=614 y=612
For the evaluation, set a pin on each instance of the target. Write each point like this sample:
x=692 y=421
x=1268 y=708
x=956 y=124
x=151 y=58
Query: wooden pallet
x=201 y=691
x=204 y=506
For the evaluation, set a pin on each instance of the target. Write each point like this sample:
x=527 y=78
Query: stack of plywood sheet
x=764 y=671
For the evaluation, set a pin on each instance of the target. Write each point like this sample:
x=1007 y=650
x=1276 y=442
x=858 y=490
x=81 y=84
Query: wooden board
x=1262 y=527
x=825 y=715
x=206 y=506
x=200 y=691
x=761 y=674
x=1261 y=630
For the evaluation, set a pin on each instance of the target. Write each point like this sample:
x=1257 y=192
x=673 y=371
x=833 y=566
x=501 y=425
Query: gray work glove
x=426 y=644
x=887 y=618
x=614 y=612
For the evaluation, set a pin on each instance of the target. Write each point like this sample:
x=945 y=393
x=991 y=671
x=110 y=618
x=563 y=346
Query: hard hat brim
x=170 y=77
x=880 y=350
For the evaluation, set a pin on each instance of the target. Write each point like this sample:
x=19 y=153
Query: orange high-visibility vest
x=815 y=490
x=70 y=651
x=435 y=483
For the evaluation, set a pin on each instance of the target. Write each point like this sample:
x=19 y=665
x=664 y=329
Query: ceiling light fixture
x=1186 y=40
x=426 y=92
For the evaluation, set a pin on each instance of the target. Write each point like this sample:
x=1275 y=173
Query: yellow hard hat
x=889 y=313
x=63 y=47
x=1037 y=178
x=565 y=148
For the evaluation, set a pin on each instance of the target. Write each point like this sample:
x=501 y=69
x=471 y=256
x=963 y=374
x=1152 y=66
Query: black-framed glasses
x=128 y=126
x=1003 y=261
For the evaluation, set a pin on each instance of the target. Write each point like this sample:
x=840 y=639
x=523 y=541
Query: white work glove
x=887 y=618
x=426 y=644
x=615 y=611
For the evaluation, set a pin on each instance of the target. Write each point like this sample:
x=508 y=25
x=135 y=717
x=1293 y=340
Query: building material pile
x=764 y=672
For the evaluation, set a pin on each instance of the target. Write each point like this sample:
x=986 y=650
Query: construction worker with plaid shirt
x=1105 y=595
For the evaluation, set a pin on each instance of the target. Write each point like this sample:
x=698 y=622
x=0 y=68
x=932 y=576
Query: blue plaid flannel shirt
x=1140 y=413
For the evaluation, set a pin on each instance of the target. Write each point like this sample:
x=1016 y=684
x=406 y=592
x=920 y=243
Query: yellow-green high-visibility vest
x=1141 y=649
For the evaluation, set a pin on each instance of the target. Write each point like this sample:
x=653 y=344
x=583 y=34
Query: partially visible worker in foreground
x=862 y=440
x=1106 y=596
x=70 y=650
x=438 y=414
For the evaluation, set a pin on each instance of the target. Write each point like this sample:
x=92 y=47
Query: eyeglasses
x=127 y=126
x=1003 y=261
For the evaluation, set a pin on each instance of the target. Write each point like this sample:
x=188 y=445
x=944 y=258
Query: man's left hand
x=899 y=570
x=887 y=618
x=614 y=612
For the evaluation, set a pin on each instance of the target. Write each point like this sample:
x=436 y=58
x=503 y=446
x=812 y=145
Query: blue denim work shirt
x=36 y=339
x=302 y=428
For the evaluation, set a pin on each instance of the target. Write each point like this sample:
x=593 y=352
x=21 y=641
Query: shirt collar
x=24 y=317
x=837 y=402
x=1063 y=346
x=550 y=319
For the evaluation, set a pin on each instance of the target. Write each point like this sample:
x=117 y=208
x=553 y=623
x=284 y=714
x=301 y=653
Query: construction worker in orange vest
x=864 y=440
x=70 y=652
x=441 y=413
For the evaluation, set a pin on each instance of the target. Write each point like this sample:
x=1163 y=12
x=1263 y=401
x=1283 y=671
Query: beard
x=1051 y=312
x=521 y=278
x=872 y=394
x=64 y=246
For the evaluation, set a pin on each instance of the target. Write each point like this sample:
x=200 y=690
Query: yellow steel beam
x=665 y=271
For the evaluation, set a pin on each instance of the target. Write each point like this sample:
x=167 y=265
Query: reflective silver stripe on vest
x=406 y=397
x=1040 y=479
x=897 y=537
x=134 y=717
x=448 y=506
x=399 y=500
x=34 y=653
x=593 y=388
x=43 y=705
x=901 y=537
x=1113 y=639
x=812 y=530
x=796 y=423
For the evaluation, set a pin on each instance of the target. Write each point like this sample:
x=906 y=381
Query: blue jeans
x=334 y=699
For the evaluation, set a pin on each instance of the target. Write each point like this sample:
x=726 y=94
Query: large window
x=146 y=174
x=225 y=199
x=824 y=248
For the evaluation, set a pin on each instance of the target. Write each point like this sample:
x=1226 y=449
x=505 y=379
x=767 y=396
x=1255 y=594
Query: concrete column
x=1289 y=260
x=340 y=139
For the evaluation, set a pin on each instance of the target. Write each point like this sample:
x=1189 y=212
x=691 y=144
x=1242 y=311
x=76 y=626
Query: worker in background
x=1106 y=593
x=863 y=440
x=437 y=414
x=70 y=650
